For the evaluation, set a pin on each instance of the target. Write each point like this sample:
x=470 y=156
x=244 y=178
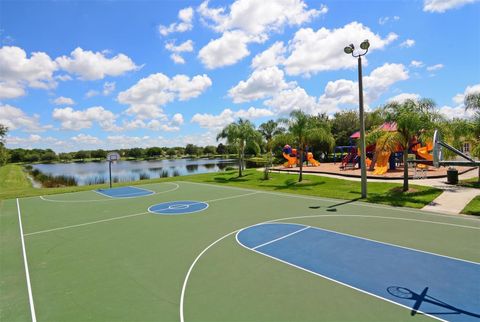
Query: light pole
x=350 y=50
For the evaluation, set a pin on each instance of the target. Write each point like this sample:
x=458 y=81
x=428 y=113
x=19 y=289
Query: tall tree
x=305 y=129
x=472 y=101
x=268 y=130
x=3 y=150
x=240 y=134
x=413 y=118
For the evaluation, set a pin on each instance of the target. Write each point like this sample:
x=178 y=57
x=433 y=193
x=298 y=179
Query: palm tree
x=240 y=134
x=306 y=130
x=268 y=130
x=412 y=119
x=472 y=101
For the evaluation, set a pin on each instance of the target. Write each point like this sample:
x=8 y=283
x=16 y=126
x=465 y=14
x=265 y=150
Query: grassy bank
x=384 y=193
x=13 y=180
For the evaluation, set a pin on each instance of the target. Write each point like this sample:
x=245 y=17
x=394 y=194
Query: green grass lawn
x=384 y=193
x=473 y=207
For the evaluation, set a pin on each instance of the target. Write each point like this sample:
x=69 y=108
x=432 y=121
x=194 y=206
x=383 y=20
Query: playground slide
x=423 y=153
x=381 y=166
x=292 y=161
x=311 y=160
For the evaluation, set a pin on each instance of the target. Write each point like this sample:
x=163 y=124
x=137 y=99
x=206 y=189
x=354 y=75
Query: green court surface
x=96 y=258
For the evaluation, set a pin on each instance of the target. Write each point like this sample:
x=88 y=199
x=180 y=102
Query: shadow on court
x=419 y=299
x=333 y=208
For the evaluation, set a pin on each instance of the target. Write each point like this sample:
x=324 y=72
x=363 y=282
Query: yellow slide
x=311 y=160
x=423 y=153
x=381 y=166
x=292 y=161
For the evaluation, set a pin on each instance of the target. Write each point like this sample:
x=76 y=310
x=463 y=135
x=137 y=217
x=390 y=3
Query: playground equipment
x=381 y=167
x=293 y=160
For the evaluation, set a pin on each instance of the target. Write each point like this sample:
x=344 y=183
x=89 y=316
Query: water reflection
x=122 y=171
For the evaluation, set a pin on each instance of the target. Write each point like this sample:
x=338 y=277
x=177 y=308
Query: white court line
x=85 y=224
x=111 y=198
x=190 y=269
x=122 y=217
x=360 y=203
x=25 y=262
x=128 y=195
x=283 y=237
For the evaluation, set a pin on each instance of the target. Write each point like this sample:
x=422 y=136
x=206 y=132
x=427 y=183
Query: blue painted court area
x=178 y=207
x=443 y=287
x=124 y=192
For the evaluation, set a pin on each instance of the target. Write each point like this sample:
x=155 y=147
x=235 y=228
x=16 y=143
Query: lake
x=122 y=171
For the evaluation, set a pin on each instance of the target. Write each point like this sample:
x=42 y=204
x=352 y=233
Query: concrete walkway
x=451 y=201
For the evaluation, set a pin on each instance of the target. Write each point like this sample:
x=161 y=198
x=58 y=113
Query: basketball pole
x=110 y=171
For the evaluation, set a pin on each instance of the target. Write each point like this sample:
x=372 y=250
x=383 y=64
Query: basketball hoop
x=112 y=157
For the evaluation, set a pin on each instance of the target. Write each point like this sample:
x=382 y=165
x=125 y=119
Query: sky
x=119 y=74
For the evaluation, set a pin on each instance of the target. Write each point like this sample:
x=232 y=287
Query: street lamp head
x=349 y=49
x=365 y=44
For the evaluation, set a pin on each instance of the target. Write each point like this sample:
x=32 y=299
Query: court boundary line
x=189 y=271
x=177 y=186
x=280 y=238
x=25 y=262
x=336 y=281
x=361 y=203
x=123 y=217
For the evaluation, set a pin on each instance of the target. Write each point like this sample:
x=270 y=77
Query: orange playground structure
x=293 y=159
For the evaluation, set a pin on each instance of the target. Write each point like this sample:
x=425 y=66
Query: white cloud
x=322 y=50
x=226 y=50
x=148 y=95
x=11 y=90
x=435 y=67
x=381 y=78
x=17 y=71
x=384 y=20
x=400 y=98
x=262 y=83
x=259 y=17
x=339 y=93
x=273 y=56
x=88 y=65
x=444 y=5
x=32 y=141
x=227 y=116
x=416 y=64
x=63 y=101
x=408 y=43
x=86 y=139
x=108 y=88
x=248 y=21
x=71 y=119
x=92 y=93
x=186 y=46
x=294 y=99
x=177 y=119
x=15 y=119
x=185 y=16
x=253 y=113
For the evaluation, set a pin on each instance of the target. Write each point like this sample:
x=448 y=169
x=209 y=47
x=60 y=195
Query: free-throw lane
x=443 y=287
x=125 y=192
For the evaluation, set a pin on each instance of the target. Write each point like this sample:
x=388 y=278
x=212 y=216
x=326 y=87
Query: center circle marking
x=179 y=207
